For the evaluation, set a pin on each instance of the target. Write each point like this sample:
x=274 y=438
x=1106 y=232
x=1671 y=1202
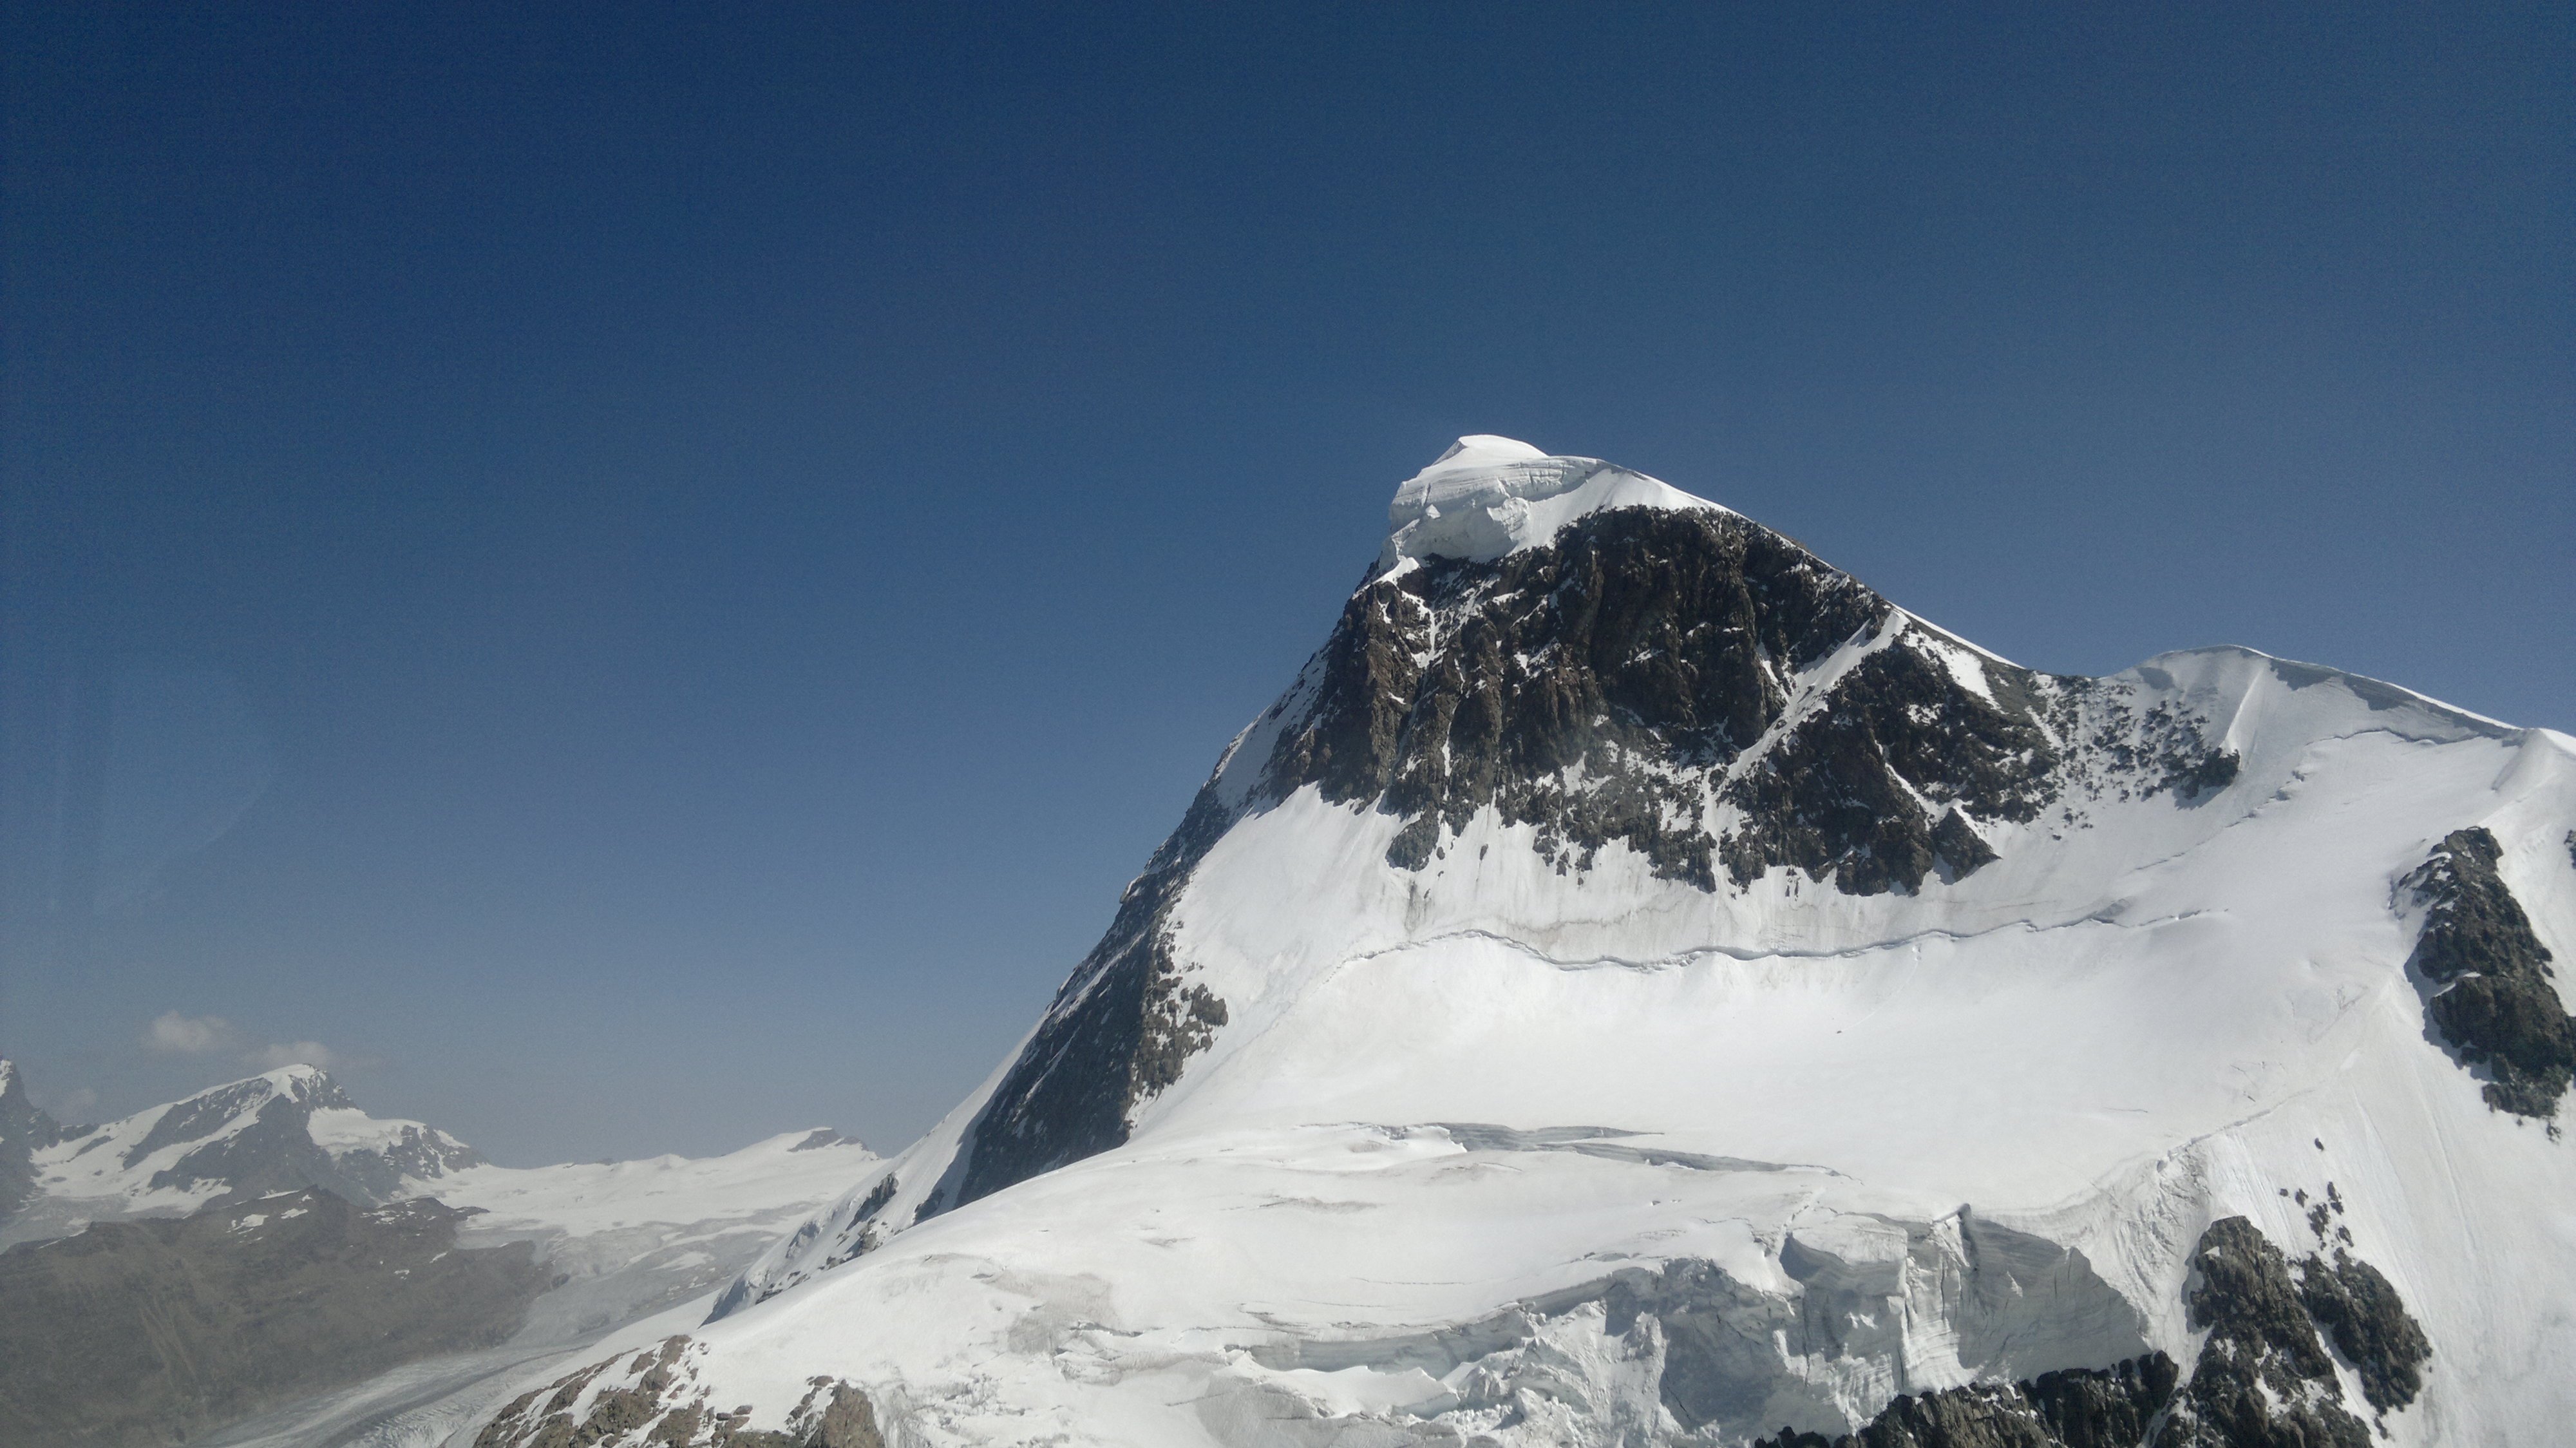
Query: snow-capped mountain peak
x=1638 y=985
x=281 y=1130
x=1489 y=496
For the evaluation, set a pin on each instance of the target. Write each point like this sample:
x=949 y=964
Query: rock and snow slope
x=1640 y=986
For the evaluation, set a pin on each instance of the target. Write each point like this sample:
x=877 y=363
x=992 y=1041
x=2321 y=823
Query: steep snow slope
x=1640 y=986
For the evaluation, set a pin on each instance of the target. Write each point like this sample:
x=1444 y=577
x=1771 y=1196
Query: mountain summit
x=279 y=1131
x=1638 y=985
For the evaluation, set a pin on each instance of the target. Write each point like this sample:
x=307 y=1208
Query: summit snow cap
x=1488 y=496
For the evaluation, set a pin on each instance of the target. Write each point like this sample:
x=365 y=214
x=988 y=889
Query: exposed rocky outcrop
x=2488 y=977
x=155 y=1332
x=2071 y=1408
x=24 y=1129
x=2264 y=1378
x=637 y=1403
x=2369 y=1325
x=1118 y=1031
x=1599 y=687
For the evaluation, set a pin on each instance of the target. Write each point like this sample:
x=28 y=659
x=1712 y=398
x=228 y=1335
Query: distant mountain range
x=287 y=1129
x=265 y=1263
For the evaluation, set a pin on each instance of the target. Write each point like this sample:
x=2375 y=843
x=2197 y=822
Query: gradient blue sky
x=644 y=576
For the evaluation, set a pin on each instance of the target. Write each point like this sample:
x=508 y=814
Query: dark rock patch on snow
x=2488 y=974
x=648 y=1399
x=2070 y=1408
x=2264 y=1378
x=2369 y=1325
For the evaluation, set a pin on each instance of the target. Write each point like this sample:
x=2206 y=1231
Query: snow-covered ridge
x=1489 y=496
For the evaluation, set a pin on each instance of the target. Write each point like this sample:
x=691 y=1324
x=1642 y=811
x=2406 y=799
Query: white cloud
x=173 y=1033
x=295 y=1053
x=180 y=1035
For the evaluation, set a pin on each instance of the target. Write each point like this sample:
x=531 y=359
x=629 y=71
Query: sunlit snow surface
x=1445 y=1093
x=1488 y=496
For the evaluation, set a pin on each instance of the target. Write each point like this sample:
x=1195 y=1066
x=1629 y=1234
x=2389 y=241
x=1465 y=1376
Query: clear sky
x=639 y=578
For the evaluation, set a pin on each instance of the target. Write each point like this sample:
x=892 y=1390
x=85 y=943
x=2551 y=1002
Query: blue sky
x=641 y=577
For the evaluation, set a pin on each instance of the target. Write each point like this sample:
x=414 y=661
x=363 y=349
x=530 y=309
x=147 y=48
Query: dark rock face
x=1648 y=650
x=1119 y=1030
x=160 y=1331
x=2489 y=974
x=2074 y=1408
x=1647 y=676
x=24 y=1130
x=2264 y=1379
x=2370 y=1326
x=655 y=1397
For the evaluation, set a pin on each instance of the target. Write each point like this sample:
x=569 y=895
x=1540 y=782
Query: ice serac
x=1638 y=985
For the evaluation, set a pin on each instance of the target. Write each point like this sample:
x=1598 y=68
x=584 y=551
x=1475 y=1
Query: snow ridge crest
x=1490 y=496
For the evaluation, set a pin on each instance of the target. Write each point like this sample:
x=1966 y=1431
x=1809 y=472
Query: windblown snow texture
x=1638 y=986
